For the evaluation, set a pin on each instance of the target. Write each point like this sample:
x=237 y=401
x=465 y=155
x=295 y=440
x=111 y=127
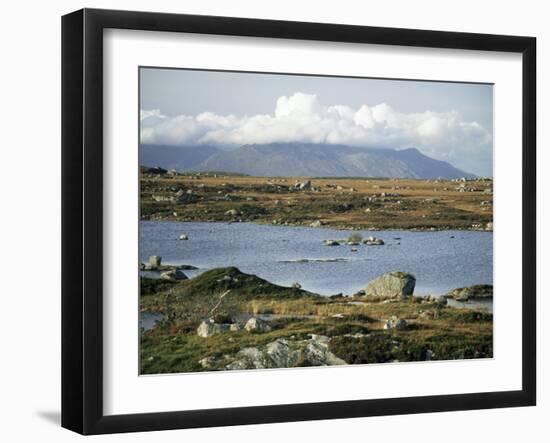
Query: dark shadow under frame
x=82 y=220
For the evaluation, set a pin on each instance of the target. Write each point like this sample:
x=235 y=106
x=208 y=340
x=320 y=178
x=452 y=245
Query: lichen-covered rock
x=248 y=358
x=392 y=285
x=316 y=353
x=286 y=353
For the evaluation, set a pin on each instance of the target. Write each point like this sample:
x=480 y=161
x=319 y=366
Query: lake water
x=148 y=320
x=440 y=260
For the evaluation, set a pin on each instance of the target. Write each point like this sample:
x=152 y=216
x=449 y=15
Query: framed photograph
x=268 y=221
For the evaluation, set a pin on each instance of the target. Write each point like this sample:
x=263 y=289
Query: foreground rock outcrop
x=283 y=353
x=392 y=285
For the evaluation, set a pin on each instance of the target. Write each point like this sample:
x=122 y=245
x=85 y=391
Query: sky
x=447 y=121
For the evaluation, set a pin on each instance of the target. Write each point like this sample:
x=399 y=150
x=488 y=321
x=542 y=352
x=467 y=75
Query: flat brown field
x=343 y=203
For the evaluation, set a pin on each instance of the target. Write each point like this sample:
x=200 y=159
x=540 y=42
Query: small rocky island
x=224 y=319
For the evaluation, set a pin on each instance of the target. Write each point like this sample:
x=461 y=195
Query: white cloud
x=303 y=118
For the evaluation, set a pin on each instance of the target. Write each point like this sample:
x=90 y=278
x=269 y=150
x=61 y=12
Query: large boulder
x=392 y=285
x=154 y=262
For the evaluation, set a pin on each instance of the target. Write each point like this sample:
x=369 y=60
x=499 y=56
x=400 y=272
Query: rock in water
x=390 y=285
x=373 y=241
x=255 y=324
x=173 y=275
x=475 y=292
x=184 y=237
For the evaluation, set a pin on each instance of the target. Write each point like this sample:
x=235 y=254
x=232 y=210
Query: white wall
x=30 y=217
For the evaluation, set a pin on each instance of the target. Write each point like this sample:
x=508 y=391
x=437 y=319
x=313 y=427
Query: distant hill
x=322 y=160
x=181 y=158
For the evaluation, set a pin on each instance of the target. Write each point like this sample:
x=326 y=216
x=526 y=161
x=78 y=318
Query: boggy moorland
x=226 y=319
x=347 y=203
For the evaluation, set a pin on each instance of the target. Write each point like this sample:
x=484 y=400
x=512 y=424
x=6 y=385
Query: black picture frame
x=82 y=218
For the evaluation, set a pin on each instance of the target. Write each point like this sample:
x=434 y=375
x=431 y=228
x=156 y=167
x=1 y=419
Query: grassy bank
x=354 y=325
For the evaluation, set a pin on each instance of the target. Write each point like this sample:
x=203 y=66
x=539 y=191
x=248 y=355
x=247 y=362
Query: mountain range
x=301 y=159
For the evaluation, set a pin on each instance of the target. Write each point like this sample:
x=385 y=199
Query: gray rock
x=304 y=186
x=206 y=362
x=209 y=328
x=316 y=353
x=184 y=237
x=154 y=262
x=255 y=324
x=373 y=241
x=392 y=284
x=286 y=353
x=280 y=355
x=316 y=224
x=173 y=275
x=475 y=292
x=248 y=358
x=426 y=315
x=331 y=243
x=395 y=323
